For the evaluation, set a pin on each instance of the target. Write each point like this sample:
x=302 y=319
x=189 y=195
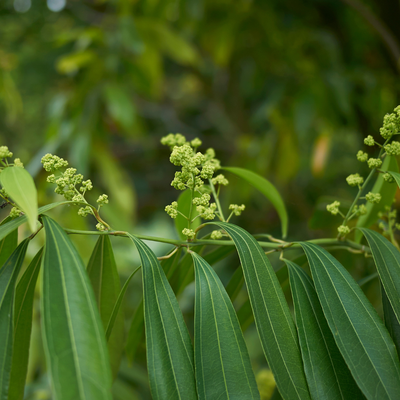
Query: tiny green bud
x=333 y=208
x=216 y=235
x=220 y=180
x=172 y=209
x=237 y=210
x=196 y=142
x=100 y=227
x=388 y=177
x=355 y=180
x=343 y=229
x=393 y=149
x=189 y=233
x=84 y=211
x=18 y=163
x=361 y=156
x=369 y=140
x=373 y=197
x=103 y=199
x=4 y=152
x=362 y=210
x=374 y=162
x=15 y=212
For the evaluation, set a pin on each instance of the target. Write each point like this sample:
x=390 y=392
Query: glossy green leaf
x=387 y=261
x=274 y=322
x=19 y=185
x=245 y=315
x=23 y=308
x=8 y=244
x=73 y=335
x=327 y=374
x=387 y=191
x=115 y=311
x=136 y=330
x=267 y=189
x=8 y=278
x=359 y=333
x=103 y=274
x=223 y=368
x=169 y=349
x=391 y=322
x=184 y=204
x=235 y=284
x=12 y=225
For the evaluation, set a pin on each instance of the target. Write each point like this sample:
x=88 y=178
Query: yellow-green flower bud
x=103 y=199
x=4 y=152
x=189 y=233
x=18 y=163
x=387 y=177
x=393 y=149
x=237 y=210
x=15 y=212
x=220 y=180
x=369 y=141
x=374 y=162
x=361 y=156
x=100 y=227
x=355 y=180
x=216 y=235
x=333 y=208
x=196 y=142
x=172 y=210
x=343 y=229
x=373 y=197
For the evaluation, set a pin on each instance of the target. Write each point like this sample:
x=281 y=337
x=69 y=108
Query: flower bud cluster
x=360 y=209
x=391 y=124
x=52 y=163
x=102 y=200
x=355 y=180
x=333 y=208
x=220 y=180
x=4 y=152
x=393 y=149
x=189 y=233
x=369 y=141
x=361 y=156
x=374 y=162
x=15 y=212
x=172 y=210
x=215 y=235
x=343 y=230
x=373 y=197
x=207 y=212
x=388 y=177
x=236 y=209
x=195 y=166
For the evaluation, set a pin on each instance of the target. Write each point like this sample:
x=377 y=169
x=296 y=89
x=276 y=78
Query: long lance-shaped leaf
x=103 y=274
x=136 y=330
x=8 y=277
x=274 y=322
x=169 y=349
x=327 y=373
x=73 y=335
x=115 y=311
x=387 y=260
x=267 y=189
x=359 y=333
x=223 y=368
x=23 y=308
x=19 y=184
x=8 y=244
x=12 y=225
x=391 y=322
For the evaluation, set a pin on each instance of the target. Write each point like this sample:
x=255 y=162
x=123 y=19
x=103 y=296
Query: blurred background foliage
x=288 y=89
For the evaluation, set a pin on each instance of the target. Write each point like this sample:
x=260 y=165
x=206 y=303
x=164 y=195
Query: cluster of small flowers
x=189 y=233
x=15 y=212
x=355 y=180
x=373 y=197
x=216 y=235
x=333 y=208
x=172 y=210
x=5 y=153
x=236 y=209
x=67 y=183
x=391 y=124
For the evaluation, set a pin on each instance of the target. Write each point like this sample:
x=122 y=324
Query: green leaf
x=169 y=349
x=387 y=261
x=73 y=335
x=223 y=368
x=115 y=311
x=267 y=189
x=274 y=322
x=104 y=276
x=18 y=183
x=24 y=296
x=245 y=315
x=387 y=191
x=327 y=374
x=235 y=284
x=8 y=244
x=12 y=225
x=8 y=278
x=136 y=329
x=391 y=322
x=359 y=333
x=184 y=203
